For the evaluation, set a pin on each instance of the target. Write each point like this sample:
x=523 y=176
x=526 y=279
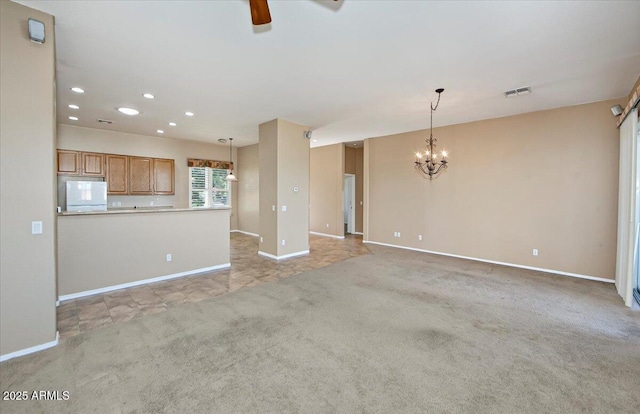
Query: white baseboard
x=245 y=232
x=359 y=233
x=31 y=349
x=538 y=269
x=326 y=235
x=141 y=282
x=285 y=256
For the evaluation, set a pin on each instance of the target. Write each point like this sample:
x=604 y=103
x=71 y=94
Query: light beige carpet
x=393 y=332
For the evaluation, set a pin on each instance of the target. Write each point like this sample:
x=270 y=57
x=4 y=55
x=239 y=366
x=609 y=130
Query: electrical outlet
x=261 y=239
x=119 y=204
x=535 y=252
x=284 y=208
x=327 y=225
x=283 y=242
x=151 y=203
x=168 y=257
x=419 y=236
x=273 y=208
x=398 y=234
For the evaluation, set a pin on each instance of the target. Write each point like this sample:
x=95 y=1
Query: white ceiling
x=350 y=70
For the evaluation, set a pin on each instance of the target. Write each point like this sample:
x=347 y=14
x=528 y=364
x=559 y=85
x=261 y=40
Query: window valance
x=223 y=165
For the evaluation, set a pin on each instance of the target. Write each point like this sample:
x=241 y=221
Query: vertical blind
x=627 y=198
x=208 y=187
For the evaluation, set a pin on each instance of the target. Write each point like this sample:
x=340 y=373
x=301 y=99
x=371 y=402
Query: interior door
x=349 y=203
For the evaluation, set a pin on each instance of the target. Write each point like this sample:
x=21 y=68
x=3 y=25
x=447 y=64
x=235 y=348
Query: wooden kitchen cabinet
x=124 y=174
x=80 y=163
x=68 y=162
x=163 y=176
x=140 y=176
x=117 y=174
x=92 y=164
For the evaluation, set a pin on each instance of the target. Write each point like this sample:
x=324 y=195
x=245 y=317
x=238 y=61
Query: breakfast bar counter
x=99 y=251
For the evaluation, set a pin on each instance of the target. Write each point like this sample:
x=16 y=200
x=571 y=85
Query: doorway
x=349 y=198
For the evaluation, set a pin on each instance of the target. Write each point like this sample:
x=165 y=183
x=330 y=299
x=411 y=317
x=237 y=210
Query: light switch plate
x=284 y=208
x=36 y=227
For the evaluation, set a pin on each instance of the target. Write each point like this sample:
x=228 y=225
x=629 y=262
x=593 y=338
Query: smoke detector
x=518 y=91
x=222 y=141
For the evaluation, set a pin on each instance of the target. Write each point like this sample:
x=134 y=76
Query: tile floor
x=247 y=269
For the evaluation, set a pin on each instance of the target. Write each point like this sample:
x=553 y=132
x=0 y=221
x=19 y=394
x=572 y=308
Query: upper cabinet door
x=140 y=175
x=117 y=174
x=68 y=162
x=163 y=176
x=92 y=164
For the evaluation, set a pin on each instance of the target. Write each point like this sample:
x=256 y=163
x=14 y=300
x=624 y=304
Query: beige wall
x=543 y=180
x=249 y=189
x=99 y=140
x=349 y=160
x=633 y=89
x=27 y=178
x=102 y=250
x=268 y=155
x=326 y=177
x=293 y=171
x=284 y=165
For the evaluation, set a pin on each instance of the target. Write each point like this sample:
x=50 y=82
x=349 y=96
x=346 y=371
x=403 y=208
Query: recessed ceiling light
x=188 y=113
x=128 y=111
x=73 y=118
x=160 y=131
x=77 y=90
x=172 y=123
x=148 y=95
x=72 y=106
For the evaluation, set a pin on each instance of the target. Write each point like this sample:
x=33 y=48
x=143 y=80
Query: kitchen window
x=208 y=187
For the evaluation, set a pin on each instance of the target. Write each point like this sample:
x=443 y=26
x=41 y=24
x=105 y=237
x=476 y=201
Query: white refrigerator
x=86 y=196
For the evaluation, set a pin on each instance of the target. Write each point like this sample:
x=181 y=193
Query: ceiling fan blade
x=260 y=12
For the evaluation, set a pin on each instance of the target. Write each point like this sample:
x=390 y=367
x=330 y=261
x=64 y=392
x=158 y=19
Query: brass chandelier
x=431 y=166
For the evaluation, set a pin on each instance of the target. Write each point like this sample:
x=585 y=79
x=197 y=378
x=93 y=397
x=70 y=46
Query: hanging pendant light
x=231 y=177
x=431 y=166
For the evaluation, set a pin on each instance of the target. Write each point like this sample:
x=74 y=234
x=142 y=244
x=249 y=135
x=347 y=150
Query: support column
x=28 y=181
x=284 y=189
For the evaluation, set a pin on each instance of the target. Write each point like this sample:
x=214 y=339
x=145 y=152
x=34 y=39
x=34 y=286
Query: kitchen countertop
x=124 y=210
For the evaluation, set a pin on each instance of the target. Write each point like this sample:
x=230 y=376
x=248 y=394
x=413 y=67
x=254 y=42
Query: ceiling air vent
x=518 y=91
x=105 y=121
